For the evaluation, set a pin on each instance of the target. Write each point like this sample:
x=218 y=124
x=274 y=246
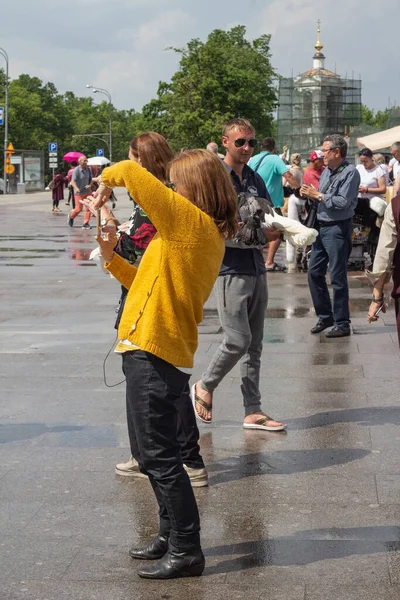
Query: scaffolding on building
x=315 y=104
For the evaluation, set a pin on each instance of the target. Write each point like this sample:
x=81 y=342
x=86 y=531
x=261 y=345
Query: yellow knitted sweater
x=176 y=274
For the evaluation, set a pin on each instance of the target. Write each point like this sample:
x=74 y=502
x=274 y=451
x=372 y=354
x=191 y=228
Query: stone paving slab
x=311 y=514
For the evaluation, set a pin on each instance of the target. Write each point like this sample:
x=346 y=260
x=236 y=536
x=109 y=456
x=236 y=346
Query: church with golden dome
x=315 y=104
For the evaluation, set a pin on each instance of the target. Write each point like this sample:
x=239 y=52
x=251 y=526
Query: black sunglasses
x=242 y=141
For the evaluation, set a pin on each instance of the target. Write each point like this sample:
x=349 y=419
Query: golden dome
x=318 y=46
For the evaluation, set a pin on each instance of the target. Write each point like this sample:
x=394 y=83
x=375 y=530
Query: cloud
x=353 y=32
x=157 y=30
x=119 y=44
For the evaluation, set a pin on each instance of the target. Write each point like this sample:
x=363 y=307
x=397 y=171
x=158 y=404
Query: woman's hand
x=363 y=189
x=107 y=245
x=374 y=306
x=98 y=198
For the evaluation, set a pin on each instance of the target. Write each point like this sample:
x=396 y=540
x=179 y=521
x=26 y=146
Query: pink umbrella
x=72 y=156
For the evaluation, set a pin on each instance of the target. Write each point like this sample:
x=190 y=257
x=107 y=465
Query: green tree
x=38 y=114
x=227 y=76
x=377 y=119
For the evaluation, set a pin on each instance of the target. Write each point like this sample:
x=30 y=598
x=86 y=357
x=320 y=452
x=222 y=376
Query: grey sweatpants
x=242 y=301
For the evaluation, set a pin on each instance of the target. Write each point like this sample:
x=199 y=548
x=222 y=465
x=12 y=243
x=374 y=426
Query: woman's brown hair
x=154 y=153
x=200 y=176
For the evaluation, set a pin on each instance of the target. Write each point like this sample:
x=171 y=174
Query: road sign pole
x=4 y=53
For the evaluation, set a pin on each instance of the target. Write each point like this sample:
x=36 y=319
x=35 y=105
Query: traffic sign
x=10 y=148
x=53 y=147
x=53 y=164
x=52 y=154
x=1 y=115
x=100 y=152
x=10 y=169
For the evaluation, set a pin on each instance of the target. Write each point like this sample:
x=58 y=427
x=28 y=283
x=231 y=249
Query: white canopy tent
x=380 y=140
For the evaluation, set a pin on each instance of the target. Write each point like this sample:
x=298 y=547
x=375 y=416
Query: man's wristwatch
x=320 y=197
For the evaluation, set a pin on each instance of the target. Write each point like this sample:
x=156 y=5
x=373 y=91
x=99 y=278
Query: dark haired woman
x=57 y=189
x=370 y=203
x=152 y=151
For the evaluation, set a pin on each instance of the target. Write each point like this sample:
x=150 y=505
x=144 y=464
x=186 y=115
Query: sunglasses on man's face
x=240 y=142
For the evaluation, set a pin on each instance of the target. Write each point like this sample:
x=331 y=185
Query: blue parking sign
x=100 y=152
x=1 y=115
x=53 y=147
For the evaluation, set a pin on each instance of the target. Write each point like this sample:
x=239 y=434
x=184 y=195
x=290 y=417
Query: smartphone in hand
x=376 y=313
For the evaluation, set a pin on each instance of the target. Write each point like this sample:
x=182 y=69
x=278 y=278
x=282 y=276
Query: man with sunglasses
x=242 y=296
x=272 y=168
x=337 y=198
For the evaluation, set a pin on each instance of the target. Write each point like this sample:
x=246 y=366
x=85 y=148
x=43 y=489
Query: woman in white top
x=295 y=168
x=370 y=197
x=295 y=205
x=373 y=179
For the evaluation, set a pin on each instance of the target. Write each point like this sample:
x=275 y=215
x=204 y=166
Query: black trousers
x=153 y=391
x=187 y=431
x=71 y=196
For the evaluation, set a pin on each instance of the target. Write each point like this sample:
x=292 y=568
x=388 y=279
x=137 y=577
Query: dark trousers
x=187 y=431
x=333 y=247
x=153 y=391
x=397 y=309
x=71 y=196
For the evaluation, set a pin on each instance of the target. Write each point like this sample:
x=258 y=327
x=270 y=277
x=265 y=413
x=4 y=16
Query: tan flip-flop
x=262 y=424
x=197 y=400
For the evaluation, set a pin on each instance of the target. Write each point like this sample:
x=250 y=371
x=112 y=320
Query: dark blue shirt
x=248 y=261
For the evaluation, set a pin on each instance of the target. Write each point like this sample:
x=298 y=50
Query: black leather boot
x=175 y=564
x=156 y=549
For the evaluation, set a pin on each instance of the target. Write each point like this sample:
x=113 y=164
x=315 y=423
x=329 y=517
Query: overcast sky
x=120 y=44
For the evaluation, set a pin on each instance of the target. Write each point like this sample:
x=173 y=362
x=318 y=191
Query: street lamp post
x=93 y=135
x=4 y=53
x=97 y=90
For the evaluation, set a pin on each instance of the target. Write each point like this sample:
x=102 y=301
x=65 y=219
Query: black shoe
x=175 y=564
x=70 y=221
x=156 y=549
x=86 y=226
x=321 y=325
x=336 y=332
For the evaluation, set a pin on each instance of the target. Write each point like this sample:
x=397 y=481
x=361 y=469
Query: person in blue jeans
x=337 y=198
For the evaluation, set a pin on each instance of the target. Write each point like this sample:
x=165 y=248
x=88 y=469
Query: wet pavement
x=311 y=514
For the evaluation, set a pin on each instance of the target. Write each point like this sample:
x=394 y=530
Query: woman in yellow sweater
x=158 y=330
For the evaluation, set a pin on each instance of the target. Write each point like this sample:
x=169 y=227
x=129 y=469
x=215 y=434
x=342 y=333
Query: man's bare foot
x=259 y=420
x=202 y=402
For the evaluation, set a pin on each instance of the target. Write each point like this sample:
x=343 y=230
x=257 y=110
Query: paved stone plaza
x=311 y=514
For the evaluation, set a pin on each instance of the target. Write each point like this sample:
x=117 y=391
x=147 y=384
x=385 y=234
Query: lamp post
x=93 y=135
x=97 y=90
x=5 y=55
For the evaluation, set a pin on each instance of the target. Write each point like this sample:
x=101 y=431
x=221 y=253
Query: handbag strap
x=260 y=162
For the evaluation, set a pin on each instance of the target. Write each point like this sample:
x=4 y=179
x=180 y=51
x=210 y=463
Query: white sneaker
x=198 y=477
x=130 y=468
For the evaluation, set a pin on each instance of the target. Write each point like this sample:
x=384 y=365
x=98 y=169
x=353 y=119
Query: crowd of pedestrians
x=202 y=220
